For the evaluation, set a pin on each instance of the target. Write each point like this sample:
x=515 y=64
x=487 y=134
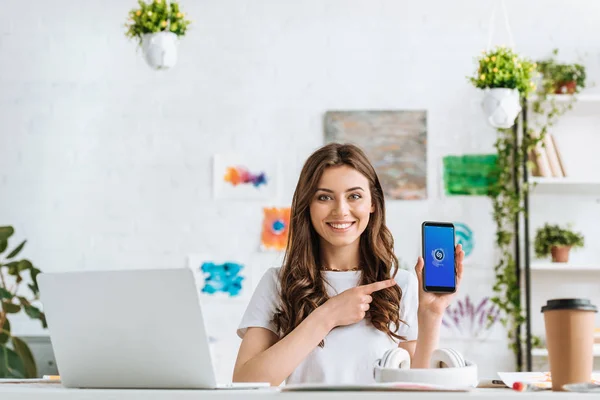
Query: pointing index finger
x=375 y=286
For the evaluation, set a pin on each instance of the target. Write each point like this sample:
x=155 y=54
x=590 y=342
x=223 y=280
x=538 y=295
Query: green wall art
x=470 y=174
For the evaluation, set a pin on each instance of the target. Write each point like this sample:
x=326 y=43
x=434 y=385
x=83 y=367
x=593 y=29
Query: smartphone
x=439 y=271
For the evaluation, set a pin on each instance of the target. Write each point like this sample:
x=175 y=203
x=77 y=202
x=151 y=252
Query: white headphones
x=447 y=367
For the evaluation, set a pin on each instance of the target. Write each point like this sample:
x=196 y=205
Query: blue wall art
x=464 y=237
x=222 y=278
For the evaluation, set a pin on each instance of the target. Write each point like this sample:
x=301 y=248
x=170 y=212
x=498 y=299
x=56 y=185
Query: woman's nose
x=341 y=207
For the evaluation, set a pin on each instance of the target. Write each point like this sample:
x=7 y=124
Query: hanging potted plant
x=556 y=241
x=157 y=27
x=504 y=76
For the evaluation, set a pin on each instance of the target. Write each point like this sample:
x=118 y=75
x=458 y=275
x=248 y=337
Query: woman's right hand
x=350 y=306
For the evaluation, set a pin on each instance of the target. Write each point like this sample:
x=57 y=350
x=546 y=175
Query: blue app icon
x=438 y=257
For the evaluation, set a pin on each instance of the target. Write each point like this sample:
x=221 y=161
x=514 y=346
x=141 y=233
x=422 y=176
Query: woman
x=339 y=301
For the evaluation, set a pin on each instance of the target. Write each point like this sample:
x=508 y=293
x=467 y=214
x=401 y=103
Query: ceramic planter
x=566 y=88
x=160 y=49
x=560 y=253
x=501 y=106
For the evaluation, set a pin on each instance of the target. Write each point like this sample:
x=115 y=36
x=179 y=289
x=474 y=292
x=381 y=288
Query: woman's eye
x=323 y=197
x=355 y=196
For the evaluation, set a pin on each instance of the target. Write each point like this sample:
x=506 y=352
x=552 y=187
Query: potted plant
x=16 y=359
x=561 y=78
x=504 y=76
x=157 y=26
x=556 y=241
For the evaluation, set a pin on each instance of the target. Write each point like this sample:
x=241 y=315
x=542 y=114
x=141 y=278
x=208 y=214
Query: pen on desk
x=51 y=377
x=524 y=387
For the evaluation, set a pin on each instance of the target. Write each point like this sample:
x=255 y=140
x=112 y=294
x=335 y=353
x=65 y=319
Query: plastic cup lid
x=569 y=304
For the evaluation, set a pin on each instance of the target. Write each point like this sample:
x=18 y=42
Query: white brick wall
x=105 y=163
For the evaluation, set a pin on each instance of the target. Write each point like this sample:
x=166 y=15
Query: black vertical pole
x=526 y=244
x=517 y=185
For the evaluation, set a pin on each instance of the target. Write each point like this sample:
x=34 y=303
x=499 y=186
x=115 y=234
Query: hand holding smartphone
x=439 y=269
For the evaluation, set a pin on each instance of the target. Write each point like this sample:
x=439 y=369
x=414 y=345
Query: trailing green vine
x=503 y=68
x=506 y=206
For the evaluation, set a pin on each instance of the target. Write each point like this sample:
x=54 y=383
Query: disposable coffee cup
x=570 y=340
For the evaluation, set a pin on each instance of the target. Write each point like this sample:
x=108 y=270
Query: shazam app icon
x=438 y=257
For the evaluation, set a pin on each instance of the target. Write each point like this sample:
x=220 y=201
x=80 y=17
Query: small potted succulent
x=561 y=78
x=157 y=26
x=556 y=241
x=505 y=77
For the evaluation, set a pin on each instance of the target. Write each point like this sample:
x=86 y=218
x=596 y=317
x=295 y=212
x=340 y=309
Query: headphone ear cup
x=396 y=358
x=447 y=358
x=384 y=358
x=460 y=360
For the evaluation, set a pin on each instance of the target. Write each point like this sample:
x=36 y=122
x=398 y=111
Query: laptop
x=129 y=329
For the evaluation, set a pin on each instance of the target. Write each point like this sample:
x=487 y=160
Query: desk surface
x=57 y=392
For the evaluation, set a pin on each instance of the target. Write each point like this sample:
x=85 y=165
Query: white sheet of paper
x=542 y=379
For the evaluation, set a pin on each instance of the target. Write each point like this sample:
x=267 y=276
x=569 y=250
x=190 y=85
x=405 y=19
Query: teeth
x=341 y=226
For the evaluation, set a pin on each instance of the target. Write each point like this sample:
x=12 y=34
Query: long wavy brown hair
x=302 y=288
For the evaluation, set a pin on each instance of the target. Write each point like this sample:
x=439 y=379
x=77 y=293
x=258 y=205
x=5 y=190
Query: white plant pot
x=160 y=49
x=501 y=107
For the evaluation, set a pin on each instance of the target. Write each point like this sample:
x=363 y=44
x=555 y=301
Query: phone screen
x=438 y=254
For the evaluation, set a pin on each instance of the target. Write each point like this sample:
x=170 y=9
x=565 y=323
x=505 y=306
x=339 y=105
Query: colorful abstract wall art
x=222 y=278
x=218 y=278
x=472 y=174
x=239 y=177
x=394 y=141
x=464 y=237
x=275 y=228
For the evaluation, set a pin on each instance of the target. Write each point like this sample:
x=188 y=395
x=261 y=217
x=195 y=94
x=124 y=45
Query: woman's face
x=341 y=206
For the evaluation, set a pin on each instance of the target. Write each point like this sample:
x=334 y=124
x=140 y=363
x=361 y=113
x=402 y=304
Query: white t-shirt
x=350 y=351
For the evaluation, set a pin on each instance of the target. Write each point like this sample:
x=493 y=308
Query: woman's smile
x=340 y=227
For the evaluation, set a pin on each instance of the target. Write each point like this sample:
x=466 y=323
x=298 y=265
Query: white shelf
x=550 y=266
x=544 y=352
x=564 y=185
x=565 y=98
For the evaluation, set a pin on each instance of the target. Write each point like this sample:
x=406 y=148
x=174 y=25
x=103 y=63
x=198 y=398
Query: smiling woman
x=341 y=208
x=339 y=301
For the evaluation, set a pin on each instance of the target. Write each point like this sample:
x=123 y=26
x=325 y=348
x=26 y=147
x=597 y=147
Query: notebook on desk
x=129 y=329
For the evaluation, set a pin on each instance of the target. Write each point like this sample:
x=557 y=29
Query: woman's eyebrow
x=349 y=190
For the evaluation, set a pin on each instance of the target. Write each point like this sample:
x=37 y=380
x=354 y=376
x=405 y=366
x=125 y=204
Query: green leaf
x=33 y=288
x=6 y=232
x=5 y=294
x=24 y=302
x=11 y=365
x=13 y=269
x=10 y=308
x=32 y=311
x=16 y=251
x=34 y=272
x=4 y=332
x=3 y=245
x=43 y=320
x=24 y=353
x=24 y=265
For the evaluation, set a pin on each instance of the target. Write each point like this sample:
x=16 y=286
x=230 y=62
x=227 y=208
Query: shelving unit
x=544 y=352
x=565 y=98
x=564 y=267
x=559 y=185
x=546 y=186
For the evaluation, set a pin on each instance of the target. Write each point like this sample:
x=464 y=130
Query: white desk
x=57 y=392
